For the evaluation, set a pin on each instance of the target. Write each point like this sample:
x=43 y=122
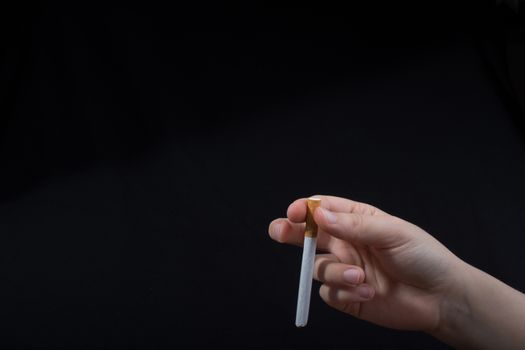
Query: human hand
x=375 y=266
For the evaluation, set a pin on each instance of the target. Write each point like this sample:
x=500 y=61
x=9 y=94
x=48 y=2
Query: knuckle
x=398 y=225
x=355 y=222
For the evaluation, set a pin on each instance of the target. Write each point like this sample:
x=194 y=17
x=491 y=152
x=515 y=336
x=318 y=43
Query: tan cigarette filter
x=311 y=226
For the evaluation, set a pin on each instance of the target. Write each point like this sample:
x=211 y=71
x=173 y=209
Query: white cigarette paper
x=305 y=282
x=307 y=265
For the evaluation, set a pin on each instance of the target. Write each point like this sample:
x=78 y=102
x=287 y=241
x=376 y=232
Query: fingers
x=329 y=270
x=380 y=231
x=343 y=287
x=297 y=210
x=284 y=231
x=339 y=296
x=291 y=231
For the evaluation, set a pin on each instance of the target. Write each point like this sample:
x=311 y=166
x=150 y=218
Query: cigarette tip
x=300 y=325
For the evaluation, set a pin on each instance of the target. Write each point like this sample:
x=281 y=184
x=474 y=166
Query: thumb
x=380 y=231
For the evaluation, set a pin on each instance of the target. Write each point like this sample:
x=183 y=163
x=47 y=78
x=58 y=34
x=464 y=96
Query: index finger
x=297 y=210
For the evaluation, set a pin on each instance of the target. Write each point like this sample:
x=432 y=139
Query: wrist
x=454 y=307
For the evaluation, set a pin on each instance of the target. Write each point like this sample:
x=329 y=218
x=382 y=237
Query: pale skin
x=385 y=270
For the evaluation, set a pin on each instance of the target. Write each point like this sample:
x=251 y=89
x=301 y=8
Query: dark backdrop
x=146 y=147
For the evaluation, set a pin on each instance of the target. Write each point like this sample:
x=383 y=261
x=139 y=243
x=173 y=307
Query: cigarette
x=307 y=264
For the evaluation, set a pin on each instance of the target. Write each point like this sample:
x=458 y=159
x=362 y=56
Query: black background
x=145 y=148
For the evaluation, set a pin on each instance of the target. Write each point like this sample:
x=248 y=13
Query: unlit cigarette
x=307 y=264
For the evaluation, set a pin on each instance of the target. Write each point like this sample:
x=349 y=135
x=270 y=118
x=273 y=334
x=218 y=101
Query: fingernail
x=330 y=217
x=365 y=291
x=351 y=276
x=276 y=230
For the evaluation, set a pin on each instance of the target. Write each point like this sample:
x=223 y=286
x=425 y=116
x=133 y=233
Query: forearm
x=482 y=313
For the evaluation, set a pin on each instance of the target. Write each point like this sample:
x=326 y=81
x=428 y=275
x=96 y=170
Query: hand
x=376 y=266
